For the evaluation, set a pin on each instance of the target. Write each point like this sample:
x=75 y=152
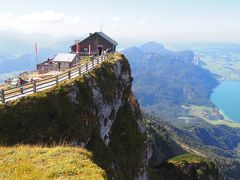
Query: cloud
x=114 y=26
x=49 y=17
x=41 y=17
x=6 y=17
x=116 y=23
x=49 y=22
x=142 y=22
x=116 y=19
x=7 y=21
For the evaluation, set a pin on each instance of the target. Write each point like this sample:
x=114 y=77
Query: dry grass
x=32 y=162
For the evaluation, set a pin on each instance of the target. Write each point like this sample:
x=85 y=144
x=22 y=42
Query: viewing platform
x=11 y=94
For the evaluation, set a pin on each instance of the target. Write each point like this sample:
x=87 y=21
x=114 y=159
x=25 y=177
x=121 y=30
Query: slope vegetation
x=97 y=111
x=32 y=162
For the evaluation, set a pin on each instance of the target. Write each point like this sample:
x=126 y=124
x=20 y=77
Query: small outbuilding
x=95 y=44
x=66 y=61
x=47 y=66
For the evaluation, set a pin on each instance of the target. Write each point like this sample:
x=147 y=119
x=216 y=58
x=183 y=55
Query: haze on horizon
x=164 y=20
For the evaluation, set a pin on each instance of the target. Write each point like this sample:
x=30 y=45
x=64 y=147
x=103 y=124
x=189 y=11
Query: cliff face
x=97 y=111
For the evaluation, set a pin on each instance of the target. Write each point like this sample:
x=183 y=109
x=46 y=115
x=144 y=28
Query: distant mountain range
x=221 y=59
x=17 y=51
x=14 y=45
x=165 y=80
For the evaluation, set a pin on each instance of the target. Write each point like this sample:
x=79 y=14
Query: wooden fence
x=36 y=86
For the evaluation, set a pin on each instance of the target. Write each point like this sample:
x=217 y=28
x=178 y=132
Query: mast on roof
x=101 y=27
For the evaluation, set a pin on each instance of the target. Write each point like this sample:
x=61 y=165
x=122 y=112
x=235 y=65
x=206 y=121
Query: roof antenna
x=101 y=27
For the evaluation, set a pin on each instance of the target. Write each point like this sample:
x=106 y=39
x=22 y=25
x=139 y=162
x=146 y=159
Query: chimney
x=90 y=34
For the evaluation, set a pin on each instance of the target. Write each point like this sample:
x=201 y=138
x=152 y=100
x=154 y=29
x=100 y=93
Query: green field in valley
x=210 y=115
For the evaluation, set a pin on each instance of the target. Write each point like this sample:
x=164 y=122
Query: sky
x=160 y=20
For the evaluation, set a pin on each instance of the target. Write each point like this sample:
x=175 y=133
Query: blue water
x=227 y=98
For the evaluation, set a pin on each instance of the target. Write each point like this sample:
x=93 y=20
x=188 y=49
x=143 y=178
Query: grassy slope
x=32 y=162
x=49 y=116
x=190 y=158
x=186 y=166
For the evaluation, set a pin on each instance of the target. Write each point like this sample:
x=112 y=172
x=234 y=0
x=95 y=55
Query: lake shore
x=226 y=98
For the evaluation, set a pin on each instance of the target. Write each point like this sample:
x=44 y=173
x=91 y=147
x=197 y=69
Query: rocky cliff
x=97 y=111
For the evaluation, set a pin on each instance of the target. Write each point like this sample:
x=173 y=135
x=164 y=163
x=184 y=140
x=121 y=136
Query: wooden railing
x=36 y=86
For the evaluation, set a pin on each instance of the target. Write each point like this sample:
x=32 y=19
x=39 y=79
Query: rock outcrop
x=97 y=111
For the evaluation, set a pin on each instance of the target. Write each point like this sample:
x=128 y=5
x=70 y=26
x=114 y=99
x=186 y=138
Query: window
x=85 y=49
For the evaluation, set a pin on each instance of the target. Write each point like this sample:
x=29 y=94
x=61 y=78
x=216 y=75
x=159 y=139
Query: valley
x=210 y=115
x=177 y=94
x=165 y=80
x=175 y=90
x=221 y=59
x=120 y=90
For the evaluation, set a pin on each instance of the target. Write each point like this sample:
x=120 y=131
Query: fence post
x=92 y=63
x=3 y=98
x=86 y=66
x=34 y=87
x=57 y=79
x=69 y=74
x=80 y=70
x=97 y=60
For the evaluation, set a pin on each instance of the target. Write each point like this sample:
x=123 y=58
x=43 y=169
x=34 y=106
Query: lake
x=227 y=98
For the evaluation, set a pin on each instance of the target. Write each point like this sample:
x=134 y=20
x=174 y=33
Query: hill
x=216 y=143
x=166 y=80
x=220 y=58
x=167 y=85
x=97 y=111
x=186 y=166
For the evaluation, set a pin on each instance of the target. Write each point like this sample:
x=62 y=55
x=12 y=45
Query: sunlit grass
x=187 y=157
x=190 y=158
x=32 y=162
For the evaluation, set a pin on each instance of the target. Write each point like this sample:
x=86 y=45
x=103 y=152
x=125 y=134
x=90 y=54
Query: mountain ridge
x=97 y=111
x=168 y=86
x=180 y=81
